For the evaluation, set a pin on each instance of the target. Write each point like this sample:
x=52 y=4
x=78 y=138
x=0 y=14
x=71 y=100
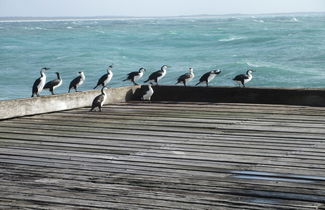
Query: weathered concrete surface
x=44 y=104
x=259 y=95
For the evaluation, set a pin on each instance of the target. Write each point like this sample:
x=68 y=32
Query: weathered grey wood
x=165 y=156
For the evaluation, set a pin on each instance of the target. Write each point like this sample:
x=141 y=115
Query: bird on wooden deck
x=157 y=75
x=76 y=82
x=208 y=77
x=39 y=83
x=99 y=100
x=106 y=78
x=146 y=92
x=135 y=75
x=244 y=78
x=53 y=84
x=185 y=78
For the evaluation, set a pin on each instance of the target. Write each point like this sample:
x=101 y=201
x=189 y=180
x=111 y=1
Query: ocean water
x=285 y=51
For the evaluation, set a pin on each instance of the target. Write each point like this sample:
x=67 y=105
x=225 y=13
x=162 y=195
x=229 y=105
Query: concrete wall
x=44 y=104
x=309 y=97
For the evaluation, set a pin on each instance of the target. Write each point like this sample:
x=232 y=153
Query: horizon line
x=169 y=16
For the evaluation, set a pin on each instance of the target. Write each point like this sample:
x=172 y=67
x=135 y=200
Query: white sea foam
x=258 y=21
x=294 y=19
x=231 y=39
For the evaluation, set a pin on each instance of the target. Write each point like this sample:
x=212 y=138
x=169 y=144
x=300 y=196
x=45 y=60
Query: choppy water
x=285 y=51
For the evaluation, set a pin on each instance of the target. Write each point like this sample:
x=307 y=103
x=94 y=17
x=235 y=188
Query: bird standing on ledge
x=209 y=76
x=99 y=100
x=135 y=75
x=185 y=78
x=244 y=78
x=39 y=83
x=51 y=85
x=106 y=78
x=77 y=81
x=157 y=75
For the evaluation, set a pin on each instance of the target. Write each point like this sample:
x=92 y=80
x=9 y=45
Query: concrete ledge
x=259 y=95
x=44 y=104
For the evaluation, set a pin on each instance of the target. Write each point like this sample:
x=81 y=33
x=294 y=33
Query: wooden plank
x=166 y=155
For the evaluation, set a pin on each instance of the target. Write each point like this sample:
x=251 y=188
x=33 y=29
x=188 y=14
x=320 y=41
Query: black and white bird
x=53 y=84
x=157 y=75
x=106 y=78
x=244 y=78
x=135 y=75
x=146 y=92
x=77 y=81
x=99 y=100
x=185 y=78
x=208 y=77
x=39 y=83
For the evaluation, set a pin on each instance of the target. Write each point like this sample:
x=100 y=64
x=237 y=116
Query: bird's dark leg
x=134 y=82
x=100 y=108
x=52 y=91
x=207 y=83
x=184 y=84
x=156 y=80
x=242 y=82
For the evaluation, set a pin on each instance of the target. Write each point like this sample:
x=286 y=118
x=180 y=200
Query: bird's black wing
x=144 y=89
x=98 y=100
x=36 y=84
x=102 y=79
x=51 y=84
x=183 y=77
x=155 y=75
x=240 y=77
x=205 y=77
x=132 y=75
x=74 y=82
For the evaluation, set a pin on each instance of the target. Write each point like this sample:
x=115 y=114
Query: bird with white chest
x=157 y=75
x=76 y=82
x=99 y=100
x=185 y=78
x=106 y=78
x=208 y=77
x=135 y=75
x=39 y=83
x=53 y=84
x=146 y=92
x=242 y=79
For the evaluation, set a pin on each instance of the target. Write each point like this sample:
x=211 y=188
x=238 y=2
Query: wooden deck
x=165 y=156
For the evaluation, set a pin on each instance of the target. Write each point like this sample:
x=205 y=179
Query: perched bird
x=146 y=92
x=244 y=78
x=157 y=75
x=135 y=75
x=106 y=78
x=99 y=100
x=39 y=83
x=208 y=77
x=185 y=78
x=77 y=81
x=51 y=85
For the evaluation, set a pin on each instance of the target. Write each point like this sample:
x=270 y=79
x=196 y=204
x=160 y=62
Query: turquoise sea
x=285 y=50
